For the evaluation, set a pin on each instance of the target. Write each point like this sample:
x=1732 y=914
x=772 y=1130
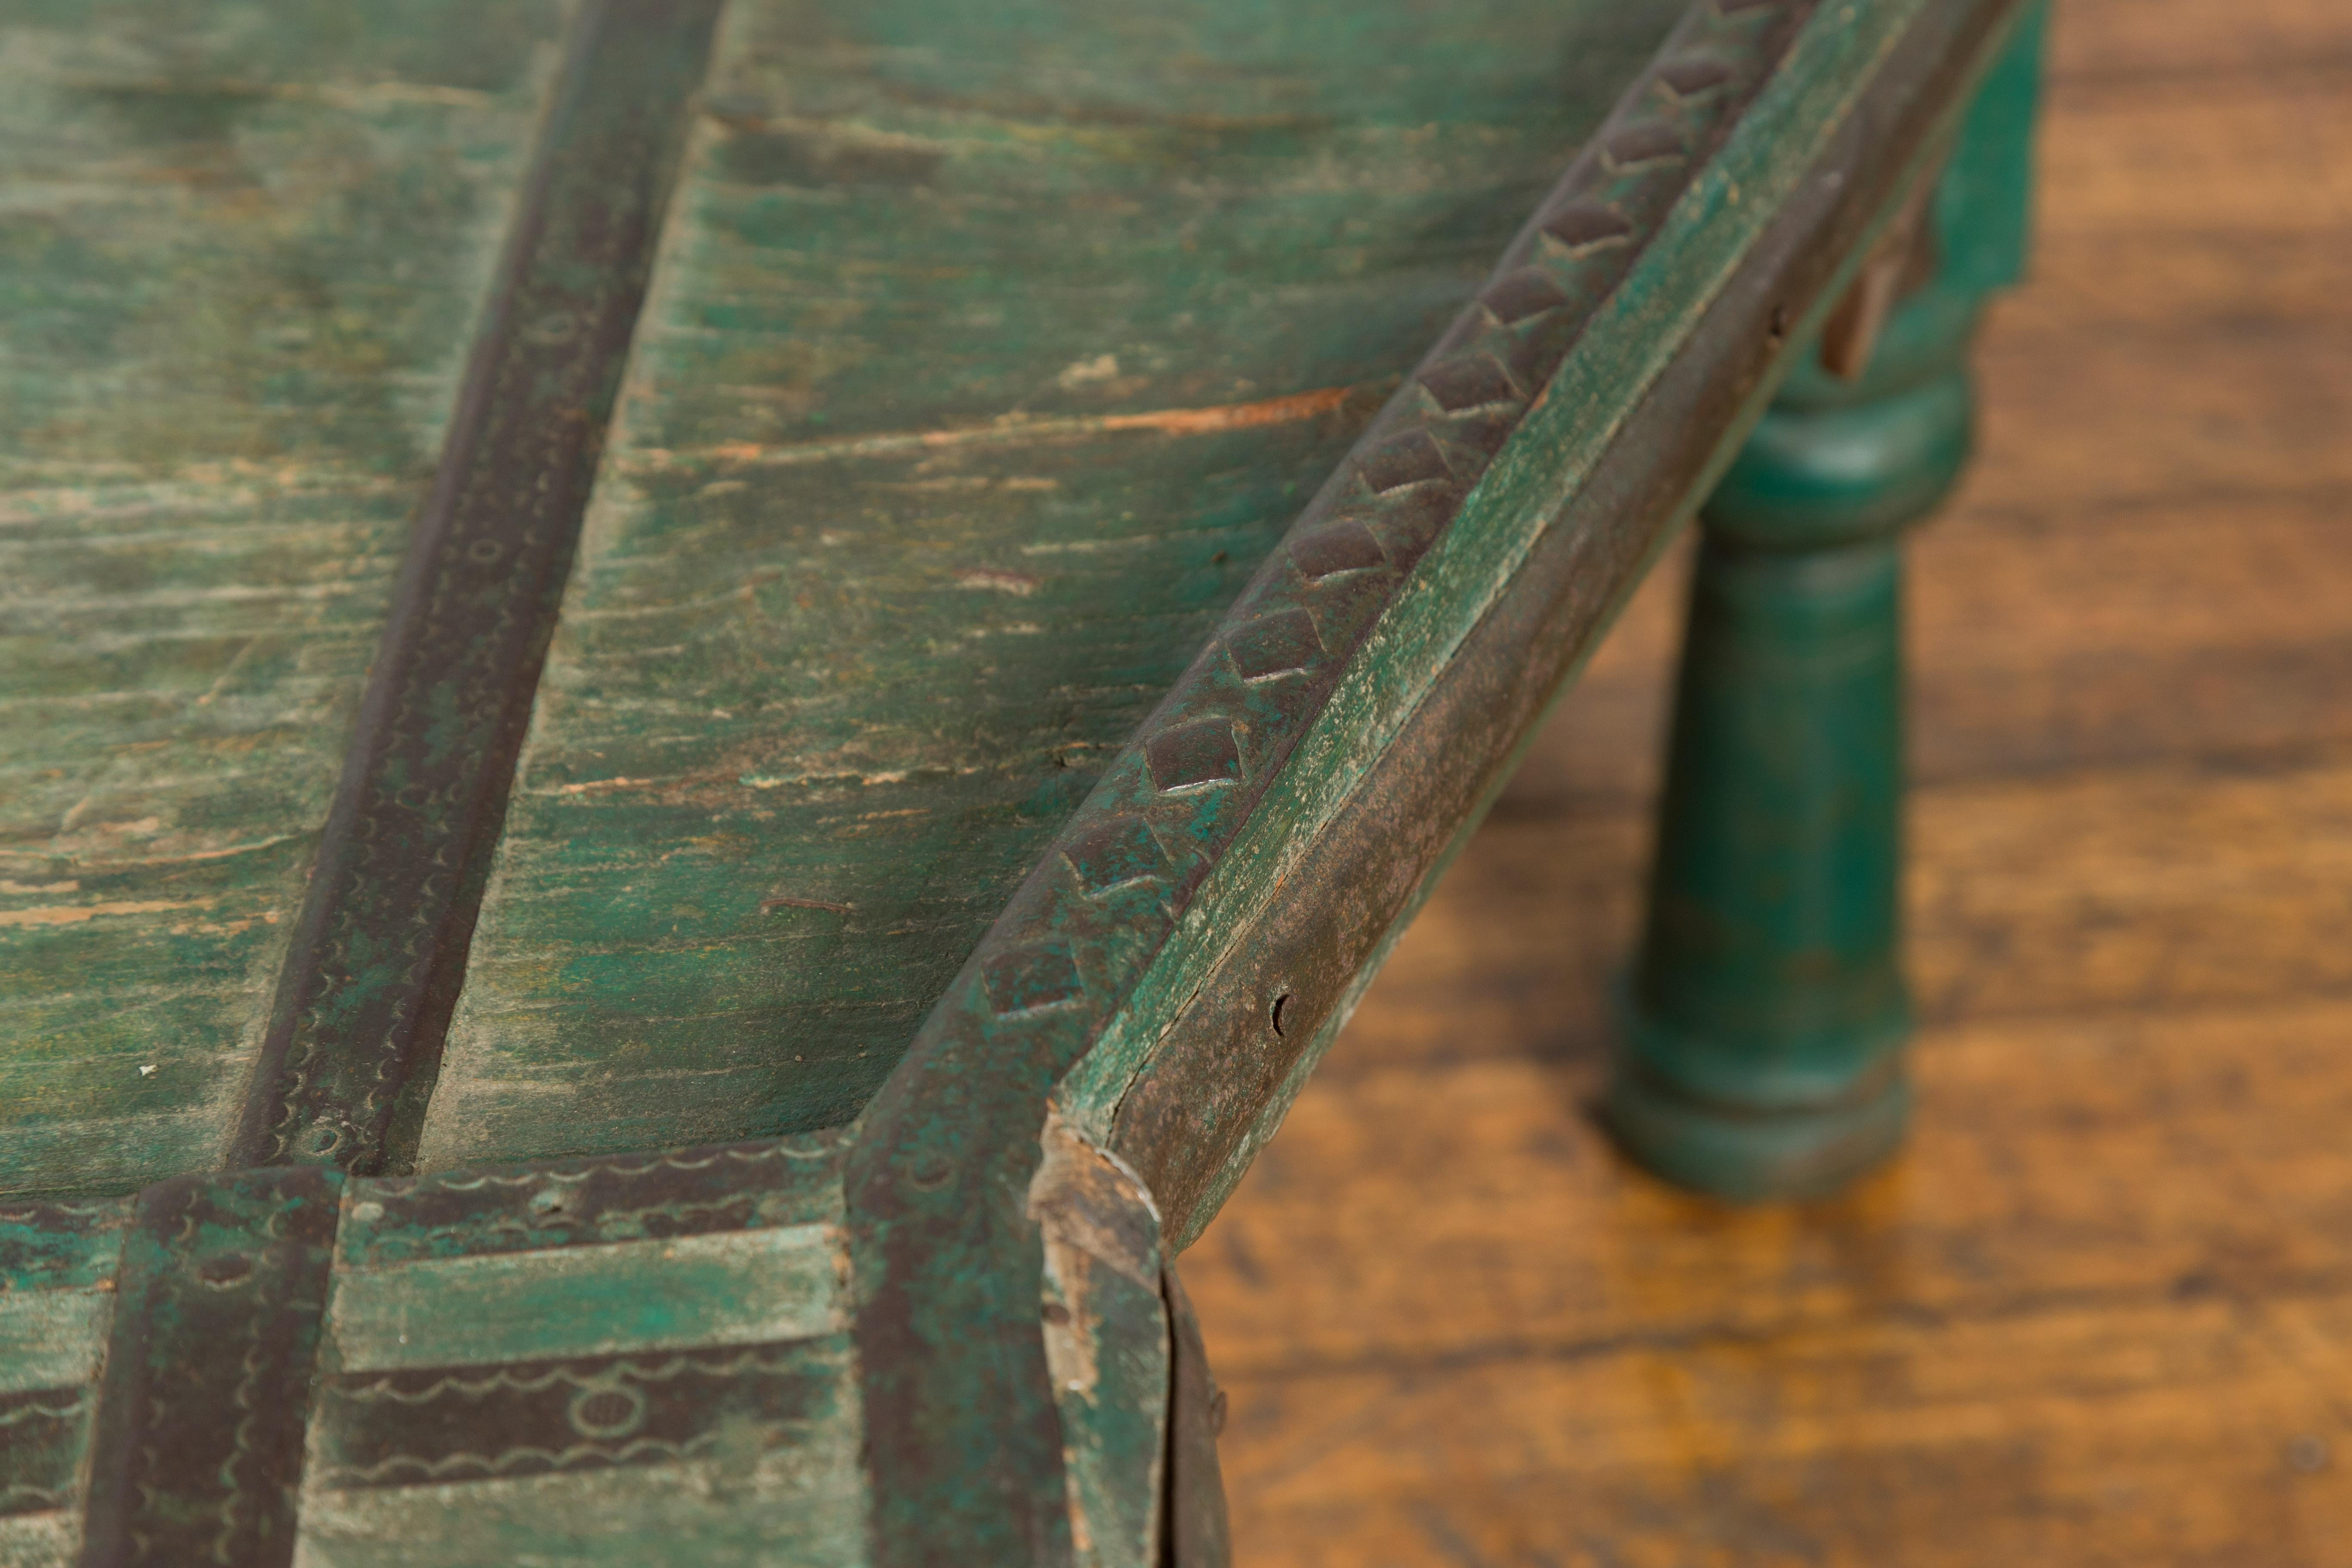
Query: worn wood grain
x=2098 y=1314
x=2115 y=41
x=845 y=645
x=242 y=266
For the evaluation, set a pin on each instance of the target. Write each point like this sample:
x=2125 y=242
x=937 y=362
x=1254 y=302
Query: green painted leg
x=1764 y=1022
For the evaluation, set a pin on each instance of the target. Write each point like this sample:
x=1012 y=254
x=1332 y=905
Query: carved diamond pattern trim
x=1474 y=381
x=1348 y=555
x=1342 y=547
x=1584 y=228
x=1193 y=756
x=1115 y=853
x=1516 y=296
x=1275 y=645
x=1028 y=979
x=1410 y=460
x=1693 y=77
x=1652 y=142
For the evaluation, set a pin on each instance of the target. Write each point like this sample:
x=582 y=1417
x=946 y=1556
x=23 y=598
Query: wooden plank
x=2141 y=1435
x=2130 y=1133
x=2090 y=285
x=846 y=644
x=736 y=1288
x=2192 y=43
x=244 y=266
x=2137 y=167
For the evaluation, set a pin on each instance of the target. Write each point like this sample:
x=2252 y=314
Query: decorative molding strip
x=376 y=964
x=201 y=1411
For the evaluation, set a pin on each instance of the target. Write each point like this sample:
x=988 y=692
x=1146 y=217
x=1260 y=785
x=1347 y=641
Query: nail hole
x=1280 y=1004
x=1780 y=322
x=1056 y=1315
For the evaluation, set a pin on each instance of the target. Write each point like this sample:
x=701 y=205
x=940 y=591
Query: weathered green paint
x=1765 y=1017
x=623 y=1297
x=991 y=351
x=238 y=269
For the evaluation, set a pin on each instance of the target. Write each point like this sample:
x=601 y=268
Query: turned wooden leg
x=1764 y=1022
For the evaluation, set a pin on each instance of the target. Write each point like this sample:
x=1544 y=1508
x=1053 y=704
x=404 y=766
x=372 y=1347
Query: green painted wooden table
x=709 y=707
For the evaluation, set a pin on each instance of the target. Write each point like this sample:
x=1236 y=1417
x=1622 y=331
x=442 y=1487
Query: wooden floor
x=2102 y=1311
